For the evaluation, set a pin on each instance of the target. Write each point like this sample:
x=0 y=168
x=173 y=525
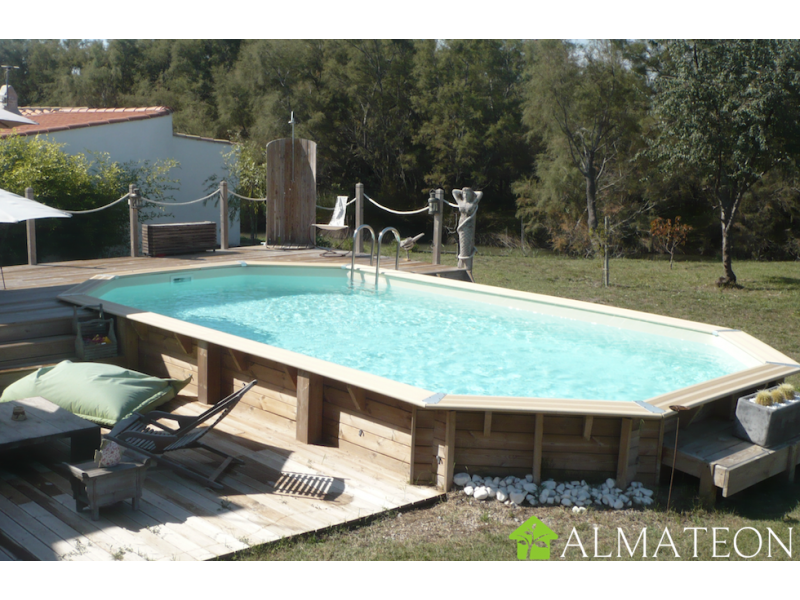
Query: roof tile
x=52 y=119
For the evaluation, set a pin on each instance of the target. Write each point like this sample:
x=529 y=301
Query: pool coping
x=773 y=364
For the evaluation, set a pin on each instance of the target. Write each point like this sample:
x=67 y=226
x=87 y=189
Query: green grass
x=767 y=306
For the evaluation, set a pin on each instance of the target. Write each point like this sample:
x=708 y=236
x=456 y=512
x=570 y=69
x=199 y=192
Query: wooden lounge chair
x=143 y=433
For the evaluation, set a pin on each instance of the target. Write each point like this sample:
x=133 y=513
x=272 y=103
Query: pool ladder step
x=372 y=250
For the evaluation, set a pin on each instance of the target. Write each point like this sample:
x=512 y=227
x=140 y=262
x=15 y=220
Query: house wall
x=152 y=140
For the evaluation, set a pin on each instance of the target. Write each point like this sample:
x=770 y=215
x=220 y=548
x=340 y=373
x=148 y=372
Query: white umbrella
x=14 y=208
x=10 y=119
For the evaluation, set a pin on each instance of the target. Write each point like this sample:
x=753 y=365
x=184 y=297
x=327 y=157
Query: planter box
x=767 y=425
x=86 y=329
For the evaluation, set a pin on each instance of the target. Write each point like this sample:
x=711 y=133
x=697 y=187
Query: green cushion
x=101 y=393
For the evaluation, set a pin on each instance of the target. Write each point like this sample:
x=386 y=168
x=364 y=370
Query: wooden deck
x=285 y=488
x=710 y=451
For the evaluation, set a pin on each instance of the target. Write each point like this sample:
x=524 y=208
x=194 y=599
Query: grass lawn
x=461 y=528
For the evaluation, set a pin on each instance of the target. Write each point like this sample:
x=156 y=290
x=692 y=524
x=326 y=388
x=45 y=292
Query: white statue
x=467 y=201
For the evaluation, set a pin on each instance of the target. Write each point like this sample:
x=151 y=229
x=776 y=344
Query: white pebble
x=469 y=490
x=618 y=504
x=566 y=502
x=502 y=496
x=517 y=497
x=481 y=493
x=462 y=479
x=529 y=478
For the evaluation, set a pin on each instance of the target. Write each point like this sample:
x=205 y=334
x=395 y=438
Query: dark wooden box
x=178 y=238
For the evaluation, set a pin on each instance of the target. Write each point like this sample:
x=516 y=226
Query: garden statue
x=467 y=201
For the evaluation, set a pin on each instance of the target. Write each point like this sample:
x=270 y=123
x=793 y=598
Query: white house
x=138 y=134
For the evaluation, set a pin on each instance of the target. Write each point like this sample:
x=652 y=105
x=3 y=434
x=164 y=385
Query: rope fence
x=94 y=210
x=397 y=212
x=211 y=195
x=246 y=198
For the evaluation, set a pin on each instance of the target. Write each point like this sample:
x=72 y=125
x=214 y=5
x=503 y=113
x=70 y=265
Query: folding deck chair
x=143 y=433
x=337 y=220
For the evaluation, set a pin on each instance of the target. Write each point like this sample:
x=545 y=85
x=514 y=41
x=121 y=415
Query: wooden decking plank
x=30 y=533
x=79 y=522
x=201 y=529
x=216 y=507
x=5 y=557
x=128 y=545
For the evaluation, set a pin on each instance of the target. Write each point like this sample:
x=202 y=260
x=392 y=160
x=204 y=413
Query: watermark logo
x=533 y=540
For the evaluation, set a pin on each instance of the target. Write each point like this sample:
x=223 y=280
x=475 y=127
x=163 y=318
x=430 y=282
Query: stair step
x=29 y=330
x=44 y=349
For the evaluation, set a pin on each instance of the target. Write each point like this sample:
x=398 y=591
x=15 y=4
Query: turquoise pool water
x=435 y=342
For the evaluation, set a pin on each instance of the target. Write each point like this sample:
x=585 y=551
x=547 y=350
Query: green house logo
x=533 y=540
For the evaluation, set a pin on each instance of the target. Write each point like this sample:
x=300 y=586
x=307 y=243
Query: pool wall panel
x=378 y=430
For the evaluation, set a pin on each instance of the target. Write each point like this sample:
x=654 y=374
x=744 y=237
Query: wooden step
x=44 y=349
x=28 y=330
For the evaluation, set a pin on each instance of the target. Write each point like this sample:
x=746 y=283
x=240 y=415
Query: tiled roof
x=51 y=119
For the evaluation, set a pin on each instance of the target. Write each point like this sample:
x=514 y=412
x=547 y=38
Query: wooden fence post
x=133 y=203
x=223 y=215
x=438 y=227
x=30 y=224
x=358 y=247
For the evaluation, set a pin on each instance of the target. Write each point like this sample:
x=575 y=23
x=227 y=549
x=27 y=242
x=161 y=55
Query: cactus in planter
x=763 y=398
x=788 y=391
x=777 y=396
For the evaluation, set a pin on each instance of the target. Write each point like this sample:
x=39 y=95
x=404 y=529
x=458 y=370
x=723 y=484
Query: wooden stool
x=95 y=486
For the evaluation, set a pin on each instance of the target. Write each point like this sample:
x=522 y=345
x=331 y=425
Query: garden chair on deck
x=143 y=433
x=337 y=220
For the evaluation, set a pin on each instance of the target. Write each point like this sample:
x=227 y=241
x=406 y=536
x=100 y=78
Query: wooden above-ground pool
x=427 y=434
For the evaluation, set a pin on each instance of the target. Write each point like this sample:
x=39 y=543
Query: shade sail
x=14 y=208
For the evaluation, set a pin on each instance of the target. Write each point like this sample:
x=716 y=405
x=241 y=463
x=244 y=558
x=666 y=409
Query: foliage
x=585 y=103
x=729 y=112
x=552 y=129
x=74 y=182
x=667 y=236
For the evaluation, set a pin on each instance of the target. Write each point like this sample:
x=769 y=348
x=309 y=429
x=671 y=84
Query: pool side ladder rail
x=371 y=248
x=396 y=258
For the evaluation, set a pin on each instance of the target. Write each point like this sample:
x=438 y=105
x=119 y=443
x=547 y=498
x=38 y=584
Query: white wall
x=151 y=140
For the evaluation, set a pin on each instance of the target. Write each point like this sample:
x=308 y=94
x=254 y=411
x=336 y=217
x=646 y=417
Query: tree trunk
x=591 y=197
x=730 y=277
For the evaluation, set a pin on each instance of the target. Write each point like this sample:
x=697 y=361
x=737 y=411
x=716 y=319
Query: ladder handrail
x=397 y=257
x=371 y=248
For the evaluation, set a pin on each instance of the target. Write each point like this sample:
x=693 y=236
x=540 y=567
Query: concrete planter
x=767 y=425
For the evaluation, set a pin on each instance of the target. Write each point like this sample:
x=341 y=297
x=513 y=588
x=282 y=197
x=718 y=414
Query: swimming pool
x=444 y=401
x=463 y=345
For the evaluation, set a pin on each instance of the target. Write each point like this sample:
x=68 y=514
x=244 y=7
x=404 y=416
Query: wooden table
x=47 y=422
x=95 y=486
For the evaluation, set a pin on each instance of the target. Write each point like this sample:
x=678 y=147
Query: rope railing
x=397 y=212
x=211 y=195
x=94 y=210
x=348 y=203
x=246 y=198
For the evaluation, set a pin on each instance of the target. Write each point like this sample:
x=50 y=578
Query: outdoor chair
x=337 y=220
x=143 y=433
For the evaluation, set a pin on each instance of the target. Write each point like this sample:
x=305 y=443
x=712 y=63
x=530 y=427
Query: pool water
x=438 y=343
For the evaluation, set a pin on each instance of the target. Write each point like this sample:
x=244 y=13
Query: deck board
x=179 y=519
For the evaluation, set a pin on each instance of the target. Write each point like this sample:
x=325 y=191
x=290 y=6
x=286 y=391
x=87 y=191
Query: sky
x=577 y=19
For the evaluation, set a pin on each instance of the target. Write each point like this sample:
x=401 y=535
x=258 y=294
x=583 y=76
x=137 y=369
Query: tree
x=584 y=103
x=75 y=182
x=729 y=111
x=667 y=236
x=468 y=99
